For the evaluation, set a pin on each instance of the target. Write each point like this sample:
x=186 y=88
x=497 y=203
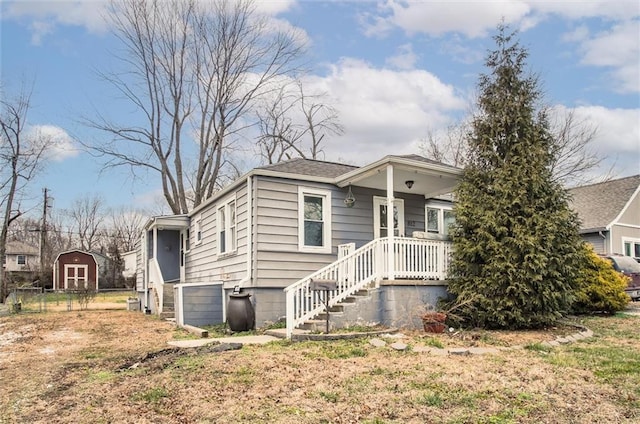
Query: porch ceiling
x=429 y=179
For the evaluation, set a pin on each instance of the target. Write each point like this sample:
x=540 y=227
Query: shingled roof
x=20 y=248
x=315 y=168
x=598 y=205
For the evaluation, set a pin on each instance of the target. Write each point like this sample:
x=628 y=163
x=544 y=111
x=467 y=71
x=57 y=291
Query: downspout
x=390 y=227
x=604 y=243
x=249 y=257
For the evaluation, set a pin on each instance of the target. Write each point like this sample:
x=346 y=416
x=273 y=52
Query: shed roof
x=598 y=205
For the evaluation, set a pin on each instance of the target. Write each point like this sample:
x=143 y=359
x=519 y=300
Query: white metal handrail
x=414 y=258
x=157 y=281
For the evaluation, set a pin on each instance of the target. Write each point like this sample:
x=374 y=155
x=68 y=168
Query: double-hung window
x=314 y=220
x=227 y=226
x=21 y=260
x=439 y=218
x=631 y=247
x=197 y=229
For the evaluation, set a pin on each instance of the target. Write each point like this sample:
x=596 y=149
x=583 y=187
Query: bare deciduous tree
x=193 y=70
x=573 y=153
x=126 y=224
x=60 y=233
x=574 y=157
x=87 y=219
x=294 y=124
x=449 y=148
x=20 y=157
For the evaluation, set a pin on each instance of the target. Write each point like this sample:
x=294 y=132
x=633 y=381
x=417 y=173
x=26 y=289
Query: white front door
x=76 y=276
x=380 y=217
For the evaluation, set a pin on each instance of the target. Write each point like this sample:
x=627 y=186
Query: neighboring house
x=273 y=231
x=129 y=264
x=77 y=269
x=610 y=215
x=21 y=257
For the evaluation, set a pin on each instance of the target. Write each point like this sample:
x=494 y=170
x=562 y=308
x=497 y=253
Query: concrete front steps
x=337 y=313
x=168 y=311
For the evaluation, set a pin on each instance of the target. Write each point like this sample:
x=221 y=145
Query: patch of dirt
x=116 y=366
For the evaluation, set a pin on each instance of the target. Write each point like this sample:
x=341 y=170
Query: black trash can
x=240 y=313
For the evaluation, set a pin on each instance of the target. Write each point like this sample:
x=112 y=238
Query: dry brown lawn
x=116 y=367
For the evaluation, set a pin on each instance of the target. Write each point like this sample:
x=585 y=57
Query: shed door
x=76 y=276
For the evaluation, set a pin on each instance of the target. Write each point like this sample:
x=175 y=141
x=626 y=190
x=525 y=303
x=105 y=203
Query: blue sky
x=394 y=70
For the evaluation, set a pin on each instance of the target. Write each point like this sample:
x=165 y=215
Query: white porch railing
x=418 y=258
x=414 y=258
x=156 y=281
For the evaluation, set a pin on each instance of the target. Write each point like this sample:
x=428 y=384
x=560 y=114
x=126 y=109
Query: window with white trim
x=226 y=226
x=197 y=229
x=21 y=260
x=314 y=220
x=631 y=247
x=439 y=218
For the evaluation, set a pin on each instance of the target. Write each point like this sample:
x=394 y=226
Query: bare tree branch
x=294 y=123
x=87 y=219
x=193 y=70
x=574 y=158
x=20 y=160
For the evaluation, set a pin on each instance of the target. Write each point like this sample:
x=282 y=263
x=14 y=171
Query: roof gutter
x=258 y=172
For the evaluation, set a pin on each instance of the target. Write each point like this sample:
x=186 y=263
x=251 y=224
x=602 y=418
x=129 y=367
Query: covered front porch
x=391 y=255
x=164 y=241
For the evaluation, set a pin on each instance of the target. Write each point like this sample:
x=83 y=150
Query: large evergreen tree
x=517 y=248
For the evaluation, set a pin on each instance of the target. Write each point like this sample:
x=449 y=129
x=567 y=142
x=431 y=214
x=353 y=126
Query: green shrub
x=601 y=287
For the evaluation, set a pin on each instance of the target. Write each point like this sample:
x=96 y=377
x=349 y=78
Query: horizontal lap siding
x=631 y=216
x=278 y=261
x=414 y=213
x=620 y=233
x=596 y=240
x=202 y=305
x=353 y=225
x=203 y=262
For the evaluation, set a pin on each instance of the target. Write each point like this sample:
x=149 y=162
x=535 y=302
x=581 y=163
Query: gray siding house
x=280 y=227
x=610 y=215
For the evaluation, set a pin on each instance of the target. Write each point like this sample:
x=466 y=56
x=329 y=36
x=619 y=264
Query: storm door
x=380 y=217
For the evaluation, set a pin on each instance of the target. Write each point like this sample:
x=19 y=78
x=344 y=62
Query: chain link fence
x=37 y=299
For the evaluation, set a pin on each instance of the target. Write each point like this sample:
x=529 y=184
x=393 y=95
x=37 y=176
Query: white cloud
x=578 y=9
x=384 y=111
x=477 y=18
x=59 y=145
x=47 y=15
x=473 y=19
x=617 y=137
x=404 y=59
x=579 y=34
x=274 y=7
x=617 y=48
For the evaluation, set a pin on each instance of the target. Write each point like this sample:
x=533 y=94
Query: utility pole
x=43 y=234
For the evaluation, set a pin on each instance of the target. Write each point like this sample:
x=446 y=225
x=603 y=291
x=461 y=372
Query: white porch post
x=145 y=266
x=390 y=230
